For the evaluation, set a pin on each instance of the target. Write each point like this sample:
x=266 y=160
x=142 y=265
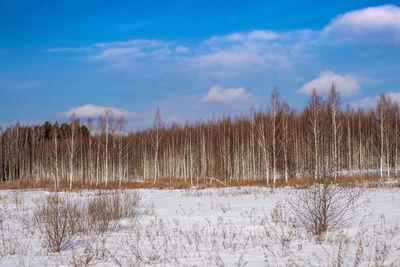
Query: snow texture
x=214 y=227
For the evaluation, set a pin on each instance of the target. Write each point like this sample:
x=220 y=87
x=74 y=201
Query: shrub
x=57 y=220
x=323 y=206
x=104 y=208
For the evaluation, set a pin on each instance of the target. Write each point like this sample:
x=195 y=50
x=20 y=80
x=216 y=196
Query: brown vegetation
x=59 y=218
x=167 y=183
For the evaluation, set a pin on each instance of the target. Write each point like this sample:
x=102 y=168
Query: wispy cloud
x=218 y=56
x=244 y=53
x=133 y=53
x=257 y=35
x=119 y=54
x=258 y=50
x=370 y=25
x=68 y=49
x=250 y=54
x=143 y=43
x=239 y=60
x=92 y=111
x=347 y=85
x=241 y=53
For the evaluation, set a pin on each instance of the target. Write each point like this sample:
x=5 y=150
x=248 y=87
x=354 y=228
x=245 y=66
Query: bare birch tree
x=72 y=147
x=381 y=114
x=156 y=140
x=55 y=155
x=315 y=129
x=334 y=103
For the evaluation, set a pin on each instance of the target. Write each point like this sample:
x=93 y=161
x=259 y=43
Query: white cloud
x=257 y=35
x=370 y=25
x=364 y=103
x=236 y=60
x=231 y=96
x=223 y=64
x=244 y=54
x=370 y=102
x=149 y=43
x=182 y=49
x=347 y=85
x=218 y=57
x=263 y=35
x=395 y=96
x=92 y=111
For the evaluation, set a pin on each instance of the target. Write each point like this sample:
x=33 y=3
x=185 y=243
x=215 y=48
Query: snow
x=213 y=227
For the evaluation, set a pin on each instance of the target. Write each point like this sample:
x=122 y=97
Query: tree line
x=322 y=140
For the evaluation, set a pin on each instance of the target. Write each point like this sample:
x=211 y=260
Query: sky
x=191 y=59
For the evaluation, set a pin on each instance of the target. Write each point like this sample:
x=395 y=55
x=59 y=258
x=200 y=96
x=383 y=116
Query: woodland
x=271 y=144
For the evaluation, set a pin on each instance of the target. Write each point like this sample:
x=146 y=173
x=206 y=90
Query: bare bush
x=99 y=216
x=57 y=218
x=105 y=208
x=16 y=198
x=8 y=240
x=92 y=252
x=323 y=206
x=279 y=214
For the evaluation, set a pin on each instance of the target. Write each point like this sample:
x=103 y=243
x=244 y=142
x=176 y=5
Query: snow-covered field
x=247 y=226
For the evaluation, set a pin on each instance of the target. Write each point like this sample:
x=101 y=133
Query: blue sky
x=192 y=59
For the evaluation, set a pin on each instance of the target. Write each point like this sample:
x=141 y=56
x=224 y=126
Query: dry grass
x=345 y=181
x=369 y=181
x=162 y=183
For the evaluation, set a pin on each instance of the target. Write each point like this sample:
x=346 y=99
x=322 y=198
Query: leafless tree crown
x=278 y=143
